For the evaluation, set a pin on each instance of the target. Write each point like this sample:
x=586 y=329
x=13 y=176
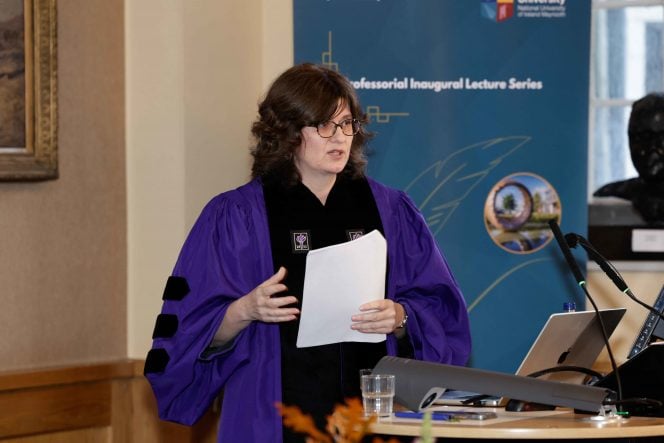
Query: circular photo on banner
x=517 y=211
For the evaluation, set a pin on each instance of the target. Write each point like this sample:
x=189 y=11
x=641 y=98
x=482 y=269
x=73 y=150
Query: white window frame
x=598 y=103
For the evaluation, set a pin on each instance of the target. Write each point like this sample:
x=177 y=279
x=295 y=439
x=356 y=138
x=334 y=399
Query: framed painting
x=28 y=90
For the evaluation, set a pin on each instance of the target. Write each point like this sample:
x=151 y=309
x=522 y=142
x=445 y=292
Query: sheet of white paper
x=337 y=280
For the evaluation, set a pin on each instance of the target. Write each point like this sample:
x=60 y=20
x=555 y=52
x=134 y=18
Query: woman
x=230 y=314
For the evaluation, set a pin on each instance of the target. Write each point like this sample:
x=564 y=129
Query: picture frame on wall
x=28 y=90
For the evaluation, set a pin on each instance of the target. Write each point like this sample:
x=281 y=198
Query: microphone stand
x=581 y=281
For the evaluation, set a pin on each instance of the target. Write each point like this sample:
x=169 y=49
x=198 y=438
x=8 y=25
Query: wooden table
x=542 y=425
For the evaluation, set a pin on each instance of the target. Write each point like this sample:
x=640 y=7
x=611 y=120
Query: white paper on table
x=337 y=280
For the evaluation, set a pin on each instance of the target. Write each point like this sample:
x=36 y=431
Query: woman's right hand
x=260 y=304
x=257 y=305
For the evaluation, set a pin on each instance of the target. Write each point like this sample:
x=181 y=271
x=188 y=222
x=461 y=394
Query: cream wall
x=195 y=71
x=63 y=241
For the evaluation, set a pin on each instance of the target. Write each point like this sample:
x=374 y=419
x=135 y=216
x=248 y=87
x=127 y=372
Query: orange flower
x=346 y=424
x=302 y=423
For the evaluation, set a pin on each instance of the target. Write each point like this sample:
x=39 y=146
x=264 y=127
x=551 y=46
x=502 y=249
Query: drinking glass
x=377 y=394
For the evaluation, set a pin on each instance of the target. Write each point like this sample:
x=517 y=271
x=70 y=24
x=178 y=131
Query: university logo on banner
x=498 y=10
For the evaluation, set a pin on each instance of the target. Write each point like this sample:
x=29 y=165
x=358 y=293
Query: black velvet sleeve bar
x=176 y=288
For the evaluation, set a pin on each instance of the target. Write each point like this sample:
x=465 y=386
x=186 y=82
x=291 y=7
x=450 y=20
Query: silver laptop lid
x=569 y=339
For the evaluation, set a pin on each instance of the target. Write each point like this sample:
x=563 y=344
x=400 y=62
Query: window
x=627 y=56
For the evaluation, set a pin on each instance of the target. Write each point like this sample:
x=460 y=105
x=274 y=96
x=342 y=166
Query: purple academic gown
x=226 y=255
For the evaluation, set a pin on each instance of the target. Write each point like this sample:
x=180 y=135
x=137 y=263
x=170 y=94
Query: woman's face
x=320 y=158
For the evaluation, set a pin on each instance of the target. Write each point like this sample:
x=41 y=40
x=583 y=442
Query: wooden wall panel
x=57 y=408
x=102 y=403
x=90 y=435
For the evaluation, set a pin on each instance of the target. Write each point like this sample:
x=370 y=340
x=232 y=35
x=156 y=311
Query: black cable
x=614 y=366
x=574 y=267
x=635 y=401
x=597 y=257
x=581 y=369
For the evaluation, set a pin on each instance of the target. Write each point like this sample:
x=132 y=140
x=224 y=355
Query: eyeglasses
x=350 y=126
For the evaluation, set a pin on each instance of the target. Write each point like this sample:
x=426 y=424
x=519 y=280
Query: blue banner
x=480 y=113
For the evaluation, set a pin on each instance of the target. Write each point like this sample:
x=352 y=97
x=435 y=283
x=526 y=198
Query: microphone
x=573 y=240
x=576 y=271
x=567 y=253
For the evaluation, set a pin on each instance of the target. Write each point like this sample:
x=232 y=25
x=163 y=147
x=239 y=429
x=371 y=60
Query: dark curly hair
x=304 y=95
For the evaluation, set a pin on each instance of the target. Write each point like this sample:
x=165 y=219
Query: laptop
x=567 y=339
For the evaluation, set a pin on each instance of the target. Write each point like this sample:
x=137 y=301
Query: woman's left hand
x=378 y=317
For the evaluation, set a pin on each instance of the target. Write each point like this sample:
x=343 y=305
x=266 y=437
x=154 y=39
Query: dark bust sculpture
x=646 y=143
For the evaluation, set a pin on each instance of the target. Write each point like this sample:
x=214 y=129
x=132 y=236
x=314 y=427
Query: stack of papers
x=338 y=279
